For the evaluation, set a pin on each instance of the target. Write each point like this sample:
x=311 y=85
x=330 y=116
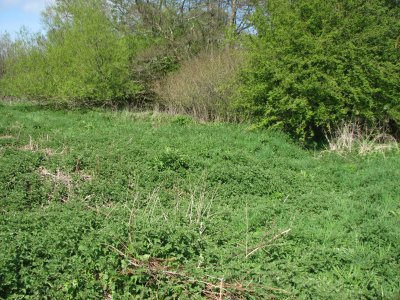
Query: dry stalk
x=3 y=137
x=31 y=146
x=200 y=205
x=60 y=177
x=57 y=177
x=353 y=136
x=269 y=242
x=34 y=147
x=131 y=216
x=247 y=229
x=153 y=201
x=220 y=290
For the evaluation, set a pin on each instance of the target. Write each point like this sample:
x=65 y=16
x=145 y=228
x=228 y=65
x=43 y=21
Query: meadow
x=97 y=204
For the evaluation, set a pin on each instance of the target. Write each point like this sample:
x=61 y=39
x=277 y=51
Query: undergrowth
x=355 y=137
x=117 y=205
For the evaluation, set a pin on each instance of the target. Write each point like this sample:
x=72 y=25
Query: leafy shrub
x=316 y=63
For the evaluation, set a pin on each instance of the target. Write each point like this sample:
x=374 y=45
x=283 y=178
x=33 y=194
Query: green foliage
x=82 y=59
x=316 y=63
x=311 y=64
x=76 y=187
x=171 y=159
x=98 y=51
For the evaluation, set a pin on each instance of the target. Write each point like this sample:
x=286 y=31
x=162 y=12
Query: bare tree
x=5 y=51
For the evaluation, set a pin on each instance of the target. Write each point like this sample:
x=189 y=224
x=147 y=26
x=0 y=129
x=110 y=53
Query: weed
x=352 y=137
x=171 y=159
x=126 y=209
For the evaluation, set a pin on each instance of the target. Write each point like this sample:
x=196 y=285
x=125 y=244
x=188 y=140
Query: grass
x=354 y=137
x=118 y=205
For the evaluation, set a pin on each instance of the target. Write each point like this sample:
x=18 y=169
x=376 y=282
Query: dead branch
x=262 y=245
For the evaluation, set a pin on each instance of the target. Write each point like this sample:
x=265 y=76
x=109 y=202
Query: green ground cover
x=120 y=205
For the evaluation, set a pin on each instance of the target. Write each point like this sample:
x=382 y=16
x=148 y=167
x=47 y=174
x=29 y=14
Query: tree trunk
x=232 y=21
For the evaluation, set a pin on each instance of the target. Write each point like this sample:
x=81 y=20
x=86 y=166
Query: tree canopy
x=315 y=63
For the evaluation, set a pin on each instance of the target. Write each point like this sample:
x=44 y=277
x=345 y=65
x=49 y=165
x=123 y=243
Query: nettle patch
x=133 y=207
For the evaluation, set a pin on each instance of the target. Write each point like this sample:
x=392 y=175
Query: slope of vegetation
x=110 y=205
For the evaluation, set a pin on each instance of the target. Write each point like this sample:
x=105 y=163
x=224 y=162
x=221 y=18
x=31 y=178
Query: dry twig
x=269 y=242
x=216 y=291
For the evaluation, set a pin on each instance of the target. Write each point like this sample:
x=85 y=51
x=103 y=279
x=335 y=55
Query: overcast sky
x=17 y=13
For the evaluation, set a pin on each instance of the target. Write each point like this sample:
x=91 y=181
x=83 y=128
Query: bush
x=316 y=63
x=202 y=87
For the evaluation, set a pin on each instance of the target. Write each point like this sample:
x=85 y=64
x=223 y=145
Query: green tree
x=83 y=59
x=24 y=65
x=315 y=63
x=89 y=56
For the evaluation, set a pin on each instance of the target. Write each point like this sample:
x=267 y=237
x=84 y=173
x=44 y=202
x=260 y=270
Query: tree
x=315 y=63
x=83 y=59
x=114 y=50
x=5 y=51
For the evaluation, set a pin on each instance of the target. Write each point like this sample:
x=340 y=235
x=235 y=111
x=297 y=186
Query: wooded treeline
x=299 y=65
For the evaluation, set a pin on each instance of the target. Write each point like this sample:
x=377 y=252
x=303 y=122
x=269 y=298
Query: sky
x=17 y=13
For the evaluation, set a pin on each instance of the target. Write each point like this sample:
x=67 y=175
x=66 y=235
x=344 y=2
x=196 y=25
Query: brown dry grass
x=34 y=146
x=58 y=176
x=354 y=137
x=31 y=146
x=214 y=288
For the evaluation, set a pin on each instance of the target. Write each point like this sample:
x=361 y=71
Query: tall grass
x=354 y=137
